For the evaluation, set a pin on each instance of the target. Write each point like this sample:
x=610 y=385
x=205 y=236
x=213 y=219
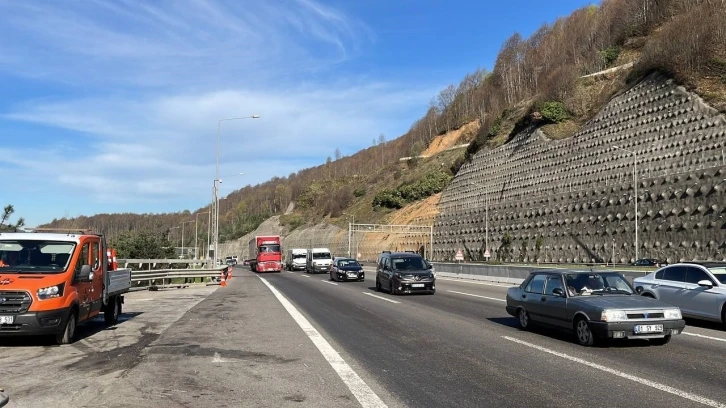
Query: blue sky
x=112 y=106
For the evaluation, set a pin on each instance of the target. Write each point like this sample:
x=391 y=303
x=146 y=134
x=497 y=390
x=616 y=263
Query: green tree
x=5 y=224
x=143 y=244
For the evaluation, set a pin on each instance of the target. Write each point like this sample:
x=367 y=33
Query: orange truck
x=52 y=280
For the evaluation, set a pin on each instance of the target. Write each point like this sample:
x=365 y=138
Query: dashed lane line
x=479 y=296
x=380 y=297
x=640 y=380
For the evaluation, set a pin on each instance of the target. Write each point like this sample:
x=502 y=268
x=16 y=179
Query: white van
x=319 y=260
x=296 y=259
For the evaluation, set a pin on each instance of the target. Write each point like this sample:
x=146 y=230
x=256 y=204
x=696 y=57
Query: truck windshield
x=299 y=256
x=321 y=255
x=35 y=256
x=269 y=248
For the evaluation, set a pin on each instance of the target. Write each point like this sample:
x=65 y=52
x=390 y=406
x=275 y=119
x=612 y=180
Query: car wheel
x=583 y=333
x=378 y=285
x=661 y=341
x=391 y=290
x=523 y=319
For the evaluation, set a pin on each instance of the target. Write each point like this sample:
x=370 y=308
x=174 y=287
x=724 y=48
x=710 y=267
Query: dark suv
x=404 y=272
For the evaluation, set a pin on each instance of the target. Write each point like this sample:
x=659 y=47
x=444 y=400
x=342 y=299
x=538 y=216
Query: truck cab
x=319 y=260
x=51 y=282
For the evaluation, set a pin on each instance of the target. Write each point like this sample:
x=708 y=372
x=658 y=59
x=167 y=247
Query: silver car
x=593 y=305
x=697 y=288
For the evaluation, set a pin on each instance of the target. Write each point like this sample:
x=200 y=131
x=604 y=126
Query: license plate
x=648 y=328
x=352 y=275
x=6 y=319
x=417 y=285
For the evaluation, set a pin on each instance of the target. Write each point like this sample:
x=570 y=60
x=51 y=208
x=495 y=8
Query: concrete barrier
x=513 y=274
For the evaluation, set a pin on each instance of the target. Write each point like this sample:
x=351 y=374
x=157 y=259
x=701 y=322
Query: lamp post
x=196 y=233
x=350 y=232
x=486 y=214
x=635 y=178
x=216 y=180
x=182 y=246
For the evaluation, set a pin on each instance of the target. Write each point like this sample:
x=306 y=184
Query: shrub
x=554 y=112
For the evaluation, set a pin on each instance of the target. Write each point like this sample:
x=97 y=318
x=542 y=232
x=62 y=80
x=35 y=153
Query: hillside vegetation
x=545 y=80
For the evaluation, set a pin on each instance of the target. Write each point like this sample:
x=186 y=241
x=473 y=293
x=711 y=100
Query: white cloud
x=144 y=85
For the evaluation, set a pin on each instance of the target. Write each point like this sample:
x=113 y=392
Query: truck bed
x=118 y=281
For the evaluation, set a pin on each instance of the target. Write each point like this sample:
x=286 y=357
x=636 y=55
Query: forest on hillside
x=539 y=75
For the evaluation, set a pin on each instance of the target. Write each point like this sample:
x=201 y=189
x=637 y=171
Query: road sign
x=487 y=254
x=459 y=255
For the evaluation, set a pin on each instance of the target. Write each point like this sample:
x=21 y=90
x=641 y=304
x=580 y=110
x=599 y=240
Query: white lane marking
x=332 y=283
x=305 y=276
x=479 y=296
x=703 y=336
x=475 y=283
x=140 y=300
x=380 y=297
x=640 y=380
x=363 y=393
x=290 y=272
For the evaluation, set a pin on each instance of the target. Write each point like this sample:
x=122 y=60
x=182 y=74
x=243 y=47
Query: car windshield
x=269 y=248
x=347 y=262
x=409 y=263
x=321 y=255
x=719 y=273
x=39 y=256
x=298 y=256
x=594 y=283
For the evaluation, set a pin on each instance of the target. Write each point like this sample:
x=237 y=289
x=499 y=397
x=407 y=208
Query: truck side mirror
x=86 y=274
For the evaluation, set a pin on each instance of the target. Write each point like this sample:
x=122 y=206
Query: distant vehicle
x=593 y=305
x=403 y=272
x=318 y=260
x=697 y=288
x=230 y=260
x=52 y=280
x=649 y=262
x=345 y=269
x=4 y=398
x=267 y=251
x=296 y=259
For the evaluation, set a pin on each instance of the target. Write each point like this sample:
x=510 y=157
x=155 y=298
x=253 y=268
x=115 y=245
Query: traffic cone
x=223 y=279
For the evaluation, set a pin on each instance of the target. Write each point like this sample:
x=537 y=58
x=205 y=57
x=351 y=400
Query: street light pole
x=635 y=179
x=486 y=214
x=216 y=180
x=182 y=246
x=196 y=234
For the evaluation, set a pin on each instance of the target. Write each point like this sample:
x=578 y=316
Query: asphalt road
x=291 y=339
x=460 y=348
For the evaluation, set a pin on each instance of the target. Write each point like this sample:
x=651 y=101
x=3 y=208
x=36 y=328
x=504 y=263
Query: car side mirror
x=558 y=292
x=86 y=274
x=429 y=266
x=705 y=283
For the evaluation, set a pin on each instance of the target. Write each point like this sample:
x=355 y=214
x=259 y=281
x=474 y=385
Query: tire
x=662 y=341
x=583 y=334
x=69 y=331
x=523 y=319
x=391 y=289
x=112 y=312
x=378 y=286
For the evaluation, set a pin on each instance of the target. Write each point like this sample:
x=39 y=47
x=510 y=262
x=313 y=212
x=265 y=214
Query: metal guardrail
x=167 y=275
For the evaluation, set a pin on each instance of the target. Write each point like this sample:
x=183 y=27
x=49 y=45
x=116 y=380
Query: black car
x=344 y=269
x=404 y=272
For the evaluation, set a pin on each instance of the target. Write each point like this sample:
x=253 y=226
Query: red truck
x=266 y=253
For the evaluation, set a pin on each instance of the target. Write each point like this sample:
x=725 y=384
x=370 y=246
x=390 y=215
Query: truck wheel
x=69 y=331
x=112 y=311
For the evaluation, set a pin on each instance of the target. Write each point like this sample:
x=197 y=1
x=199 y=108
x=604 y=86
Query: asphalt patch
x=195 y=350
x=117 y=359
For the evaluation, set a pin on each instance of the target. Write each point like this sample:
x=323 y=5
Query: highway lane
x=459 y=347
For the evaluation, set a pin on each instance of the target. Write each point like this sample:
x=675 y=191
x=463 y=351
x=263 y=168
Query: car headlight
x=614 y=316
x=398 y=275
x=672 y=313
x=51 y=292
